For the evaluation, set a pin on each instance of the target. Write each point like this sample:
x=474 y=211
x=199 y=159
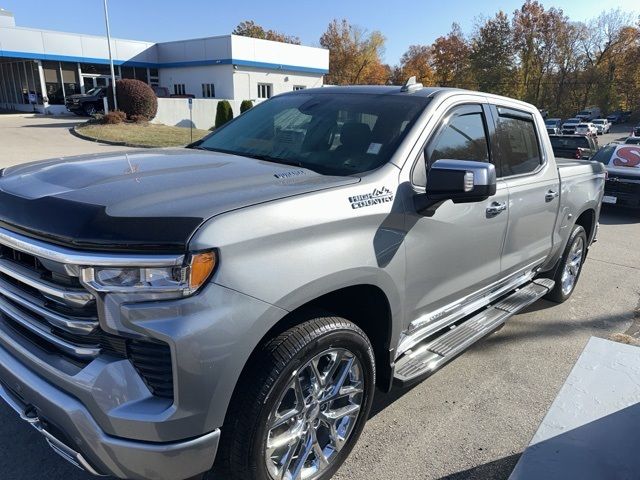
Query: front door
x=533 y=186
x=454 y=251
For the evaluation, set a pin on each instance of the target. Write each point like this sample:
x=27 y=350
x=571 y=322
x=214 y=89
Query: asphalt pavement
x=472 y=419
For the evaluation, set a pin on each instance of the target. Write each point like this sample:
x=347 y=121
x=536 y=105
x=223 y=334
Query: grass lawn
x=150 y=135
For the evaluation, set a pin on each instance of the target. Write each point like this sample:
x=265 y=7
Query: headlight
x=184 y=280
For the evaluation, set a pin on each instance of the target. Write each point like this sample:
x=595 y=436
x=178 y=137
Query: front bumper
x=72 y=433
x=104 y=415
x=626 y=194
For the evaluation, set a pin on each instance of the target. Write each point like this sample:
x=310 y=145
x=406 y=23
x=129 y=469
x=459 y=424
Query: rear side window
x=518 y=144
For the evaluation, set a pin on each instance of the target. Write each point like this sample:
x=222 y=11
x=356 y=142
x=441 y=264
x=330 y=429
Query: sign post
x=191 y=117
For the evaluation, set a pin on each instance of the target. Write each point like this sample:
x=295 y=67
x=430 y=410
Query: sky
x=402 y=23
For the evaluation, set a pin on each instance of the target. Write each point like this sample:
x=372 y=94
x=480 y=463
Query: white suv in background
x=586 y=129
x=602 y=125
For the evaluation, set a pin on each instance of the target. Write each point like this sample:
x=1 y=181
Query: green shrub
x=224 y=113
x=245 y=105
x=114 y=117
x=136 y=98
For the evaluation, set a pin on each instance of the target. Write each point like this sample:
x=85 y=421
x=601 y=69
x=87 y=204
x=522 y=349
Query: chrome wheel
x=572 y=266
x=314 y=416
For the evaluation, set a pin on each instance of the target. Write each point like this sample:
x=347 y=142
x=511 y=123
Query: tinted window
x=569 y=142
x=333 y=133
x=519 y=145
x=464 y=138
x=604 y=154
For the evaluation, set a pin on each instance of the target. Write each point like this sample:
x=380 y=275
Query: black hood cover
x=150 y=199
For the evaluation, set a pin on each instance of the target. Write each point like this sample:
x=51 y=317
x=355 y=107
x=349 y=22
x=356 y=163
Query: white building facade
x=40 y=68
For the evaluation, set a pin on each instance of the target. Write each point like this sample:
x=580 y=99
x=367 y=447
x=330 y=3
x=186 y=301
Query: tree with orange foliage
x=355 y=55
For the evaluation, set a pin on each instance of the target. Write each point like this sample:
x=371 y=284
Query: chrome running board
x=427 y=357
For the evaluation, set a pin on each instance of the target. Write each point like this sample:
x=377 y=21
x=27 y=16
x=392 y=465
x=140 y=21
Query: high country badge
x=379 y=195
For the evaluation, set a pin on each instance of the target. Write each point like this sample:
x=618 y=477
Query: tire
x=90 y=109
x=273 y=388
x=569 y=268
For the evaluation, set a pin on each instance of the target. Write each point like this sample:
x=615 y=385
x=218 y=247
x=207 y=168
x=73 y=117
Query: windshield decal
x=379 y=195
x=626 y=156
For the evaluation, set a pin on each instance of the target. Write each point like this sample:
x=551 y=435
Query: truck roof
x=397 y=90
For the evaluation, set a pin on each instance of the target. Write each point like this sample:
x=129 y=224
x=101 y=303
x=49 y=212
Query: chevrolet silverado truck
x=228 y=309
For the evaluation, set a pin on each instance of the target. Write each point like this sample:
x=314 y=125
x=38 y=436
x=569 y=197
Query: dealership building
x=40 y=68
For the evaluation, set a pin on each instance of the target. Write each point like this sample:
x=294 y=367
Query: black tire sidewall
x=339 y=338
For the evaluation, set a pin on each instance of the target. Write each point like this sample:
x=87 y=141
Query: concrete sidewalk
x=592 y=430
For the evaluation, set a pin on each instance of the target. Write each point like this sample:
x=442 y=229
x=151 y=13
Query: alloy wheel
x=572 y=266
x=314 y=416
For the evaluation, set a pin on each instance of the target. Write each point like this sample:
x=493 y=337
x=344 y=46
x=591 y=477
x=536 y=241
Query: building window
x=265 y=90
x=298 y=87
x=178 y=89
x=154 y=79
x=208 y=90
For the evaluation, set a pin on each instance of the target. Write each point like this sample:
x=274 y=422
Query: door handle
x=496 y=208
x=550 y=195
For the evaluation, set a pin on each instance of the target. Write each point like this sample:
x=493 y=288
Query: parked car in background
x=622 y=186
x=154 y=325
x=615 y=117
x=602 y=124
x=588 y=114
x=88 y=103
x=579 y=147
x=632 y=140
x=636 y=131
x=569 y=126
x=554 y=126
x=586 y=129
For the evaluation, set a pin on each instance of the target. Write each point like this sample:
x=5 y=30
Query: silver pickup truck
x=231 y=307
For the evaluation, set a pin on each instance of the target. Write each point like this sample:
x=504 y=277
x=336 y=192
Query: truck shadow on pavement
x=500 y=468
x=619 y=216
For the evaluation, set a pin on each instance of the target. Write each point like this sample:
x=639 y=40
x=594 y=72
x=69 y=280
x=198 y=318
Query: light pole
x=113 y=73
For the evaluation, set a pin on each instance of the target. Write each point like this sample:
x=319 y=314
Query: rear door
x=534 y=188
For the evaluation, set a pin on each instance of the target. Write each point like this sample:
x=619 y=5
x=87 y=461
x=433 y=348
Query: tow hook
x=30 y=414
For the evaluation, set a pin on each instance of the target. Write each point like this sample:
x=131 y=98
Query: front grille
x=46 y=304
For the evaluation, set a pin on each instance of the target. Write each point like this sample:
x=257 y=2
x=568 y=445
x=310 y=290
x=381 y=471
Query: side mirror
x=461 y=181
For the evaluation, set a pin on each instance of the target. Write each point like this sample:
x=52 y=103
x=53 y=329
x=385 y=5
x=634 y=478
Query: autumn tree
x=492 y=56
x=249 y=28
x=535 y=36
x=355 y=55
x=450 y=60
x=416 y=61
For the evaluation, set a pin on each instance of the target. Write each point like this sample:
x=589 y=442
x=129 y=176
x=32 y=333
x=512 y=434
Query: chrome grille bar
x=74 y=257
x=82 y=326
x=36 y=328
x=78 y=298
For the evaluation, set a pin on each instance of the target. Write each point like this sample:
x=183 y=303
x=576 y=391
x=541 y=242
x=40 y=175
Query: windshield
x=573 y=120
x=332 y=133
x=551 y=122
x=599 y=121
x=585 y=112
x=94 y=91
